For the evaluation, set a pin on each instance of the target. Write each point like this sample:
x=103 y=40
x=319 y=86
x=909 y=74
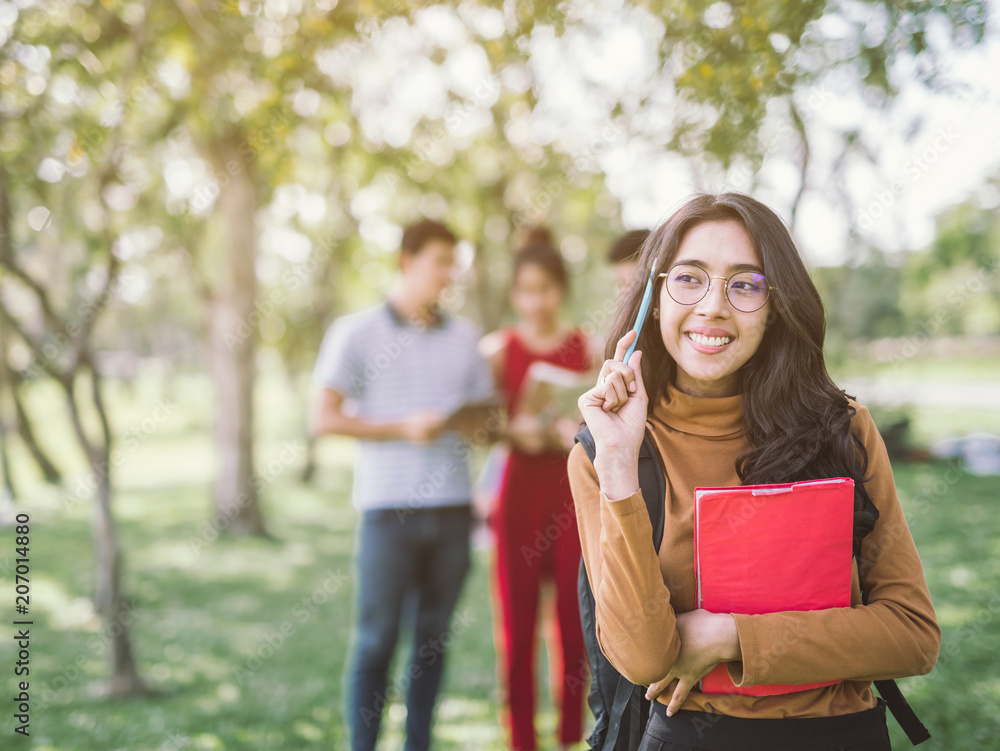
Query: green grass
x=200 y=614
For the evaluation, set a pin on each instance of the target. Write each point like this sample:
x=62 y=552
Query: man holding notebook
x=391 y=376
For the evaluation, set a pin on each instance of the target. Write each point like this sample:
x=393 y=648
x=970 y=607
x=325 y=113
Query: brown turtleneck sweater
x=638 y=592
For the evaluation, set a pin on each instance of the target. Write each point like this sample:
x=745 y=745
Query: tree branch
x=800 y=126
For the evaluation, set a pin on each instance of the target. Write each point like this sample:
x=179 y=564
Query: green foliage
x=950 y=288
x=129 y=96
x=956 y=282
x=861 y=301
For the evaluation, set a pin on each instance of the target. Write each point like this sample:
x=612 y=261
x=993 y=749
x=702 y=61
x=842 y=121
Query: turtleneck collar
x=699 y=415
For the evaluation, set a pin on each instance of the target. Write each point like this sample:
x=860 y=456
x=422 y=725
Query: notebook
x=553 y=390
x=770 y=548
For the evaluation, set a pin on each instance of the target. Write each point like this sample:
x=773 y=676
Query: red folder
x=771 y=548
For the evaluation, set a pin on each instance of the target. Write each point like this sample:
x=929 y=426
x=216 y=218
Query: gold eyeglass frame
x=725 y=290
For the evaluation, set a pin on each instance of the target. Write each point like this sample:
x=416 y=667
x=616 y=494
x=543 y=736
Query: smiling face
x=711 y=340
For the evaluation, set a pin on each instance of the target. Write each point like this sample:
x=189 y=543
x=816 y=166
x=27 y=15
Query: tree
x=243 y=136
x=35 y=273
x=953 y=287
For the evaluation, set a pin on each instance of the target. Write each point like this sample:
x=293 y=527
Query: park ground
x=246 y=640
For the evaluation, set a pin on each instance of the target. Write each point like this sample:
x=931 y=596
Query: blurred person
x=624 y=255
x=534 y=520
x=390 y=376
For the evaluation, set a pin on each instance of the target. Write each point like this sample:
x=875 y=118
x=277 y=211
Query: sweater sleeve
x=895 y=635
x=635 y=622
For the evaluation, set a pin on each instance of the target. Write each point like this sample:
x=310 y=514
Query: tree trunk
x=110 y=602
x=9 y=494
x=10 y=381
x=48 y=469
x=309 y=469
x=233 y=322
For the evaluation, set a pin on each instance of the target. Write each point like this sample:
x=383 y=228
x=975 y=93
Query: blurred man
x=391 y=376
x=624 y=254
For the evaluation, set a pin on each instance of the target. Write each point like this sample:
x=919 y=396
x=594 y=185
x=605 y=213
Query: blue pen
x=641 y=318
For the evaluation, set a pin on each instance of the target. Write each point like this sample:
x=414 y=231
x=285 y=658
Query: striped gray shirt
x=388 y=368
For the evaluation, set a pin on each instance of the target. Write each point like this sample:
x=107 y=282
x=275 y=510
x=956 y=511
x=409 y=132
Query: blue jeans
x=410 y=561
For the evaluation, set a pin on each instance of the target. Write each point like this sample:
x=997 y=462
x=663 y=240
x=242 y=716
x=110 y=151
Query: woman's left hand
x=706 y=640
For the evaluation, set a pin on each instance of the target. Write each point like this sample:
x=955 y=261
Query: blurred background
x=191 y=191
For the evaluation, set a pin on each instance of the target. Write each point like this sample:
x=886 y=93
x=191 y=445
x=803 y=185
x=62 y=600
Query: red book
x=771 y=548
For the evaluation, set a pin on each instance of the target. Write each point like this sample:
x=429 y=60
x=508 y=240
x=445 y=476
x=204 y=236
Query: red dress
x=537 y=539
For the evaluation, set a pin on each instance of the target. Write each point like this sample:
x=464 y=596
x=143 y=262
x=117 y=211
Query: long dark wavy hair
x=798 y=423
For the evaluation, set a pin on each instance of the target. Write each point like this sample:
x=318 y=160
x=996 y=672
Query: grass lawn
x=208 y=619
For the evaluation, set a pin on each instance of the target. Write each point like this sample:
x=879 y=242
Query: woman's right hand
x=615 y=409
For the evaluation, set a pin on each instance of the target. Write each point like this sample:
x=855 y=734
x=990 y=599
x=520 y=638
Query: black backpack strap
x=653 y=485
x=598 y=699
x=915 y=730
x=638 y=713
x=623 y=697
x=865 y=516
x=585 y=437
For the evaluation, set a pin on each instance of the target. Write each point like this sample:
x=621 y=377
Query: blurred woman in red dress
x=534 y=520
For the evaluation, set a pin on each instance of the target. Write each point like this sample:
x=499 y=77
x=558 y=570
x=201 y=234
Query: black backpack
x=619 y=706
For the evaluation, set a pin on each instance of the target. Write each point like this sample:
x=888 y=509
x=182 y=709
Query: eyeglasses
x=746 y=291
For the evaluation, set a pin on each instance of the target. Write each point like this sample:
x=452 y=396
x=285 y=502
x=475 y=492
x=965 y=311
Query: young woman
x=534 y=521
x=728 y=373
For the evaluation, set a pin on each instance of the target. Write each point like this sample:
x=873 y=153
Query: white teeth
x=708 y=341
